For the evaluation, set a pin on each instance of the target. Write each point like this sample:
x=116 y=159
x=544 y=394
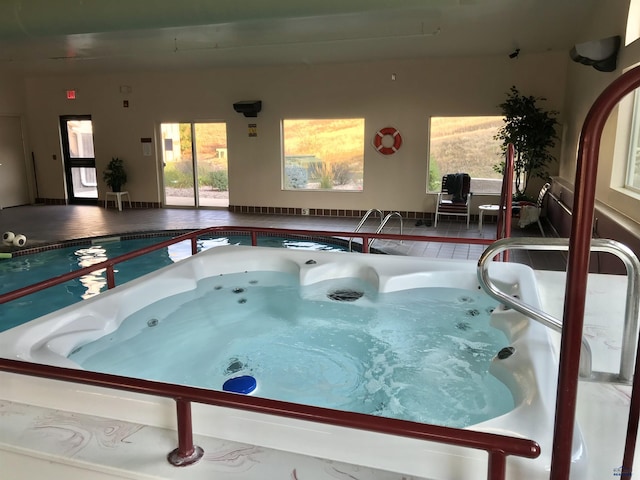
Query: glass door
x=195 y=164
x=76 y=132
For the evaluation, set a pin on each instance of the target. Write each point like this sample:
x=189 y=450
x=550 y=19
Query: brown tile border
x=100 y=202
x=86 y=242
x=125 y=204
x=52 y=201
x=322 y=212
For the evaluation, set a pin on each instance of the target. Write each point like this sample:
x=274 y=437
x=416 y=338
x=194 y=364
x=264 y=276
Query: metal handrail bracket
x=632 y=308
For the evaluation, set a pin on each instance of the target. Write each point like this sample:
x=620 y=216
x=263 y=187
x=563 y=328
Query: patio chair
x=529 y=212
x=454 y=198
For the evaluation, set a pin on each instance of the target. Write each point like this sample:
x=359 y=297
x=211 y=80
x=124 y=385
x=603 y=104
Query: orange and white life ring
x=384 y=132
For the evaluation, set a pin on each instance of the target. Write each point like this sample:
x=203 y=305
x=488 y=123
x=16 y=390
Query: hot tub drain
x=506 y=352
x=235 y=365
x=347 y=295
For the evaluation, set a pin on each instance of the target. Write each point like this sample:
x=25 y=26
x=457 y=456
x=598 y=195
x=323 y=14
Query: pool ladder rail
x=383 y=222
x=632 y=308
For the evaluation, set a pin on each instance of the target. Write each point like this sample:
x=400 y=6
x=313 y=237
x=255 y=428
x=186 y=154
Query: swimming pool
x=529 y=371
x=28 y=269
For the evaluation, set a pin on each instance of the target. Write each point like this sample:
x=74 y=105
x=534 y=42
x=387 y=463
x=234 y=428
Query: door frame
x=69 y=163
x=196 y=198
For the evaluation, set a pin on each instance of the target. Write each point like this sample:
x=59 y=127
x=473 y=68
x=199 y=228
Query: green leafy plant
x=342 y=172
x=532 y=131
x=115 y=175
x=295 y=176
x=219 y=180
x=325 y=174
x=435 y=177
x=177 y=176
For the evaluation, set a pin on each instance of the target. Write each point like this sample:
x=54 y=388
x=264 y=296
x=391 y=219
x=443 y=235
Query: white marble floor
x=37 y=441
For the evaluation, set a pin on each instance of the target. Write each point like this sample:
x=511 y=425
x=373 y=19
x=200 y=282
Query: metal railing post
x=506 y=200
x=187 y=453
x=365 y=244
x=497 y=468
x=111 y=277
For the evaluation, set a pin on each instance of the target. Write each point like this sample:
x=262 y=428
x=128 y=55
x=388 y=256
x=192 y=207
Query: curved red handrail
x=577 y=273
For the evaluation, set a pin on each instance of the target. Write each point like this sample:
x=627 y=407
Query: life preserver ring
x=387 y=131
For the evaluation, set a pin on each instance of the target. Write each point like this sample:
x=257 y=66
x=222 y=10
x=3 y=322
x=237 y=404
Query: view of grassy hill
x=330 y=141
x=466 y=144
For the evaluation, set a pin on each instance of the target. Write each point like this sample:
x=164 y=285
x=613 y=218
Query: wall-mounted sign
x=147 y=146
x=71 y=94
x=253 y=130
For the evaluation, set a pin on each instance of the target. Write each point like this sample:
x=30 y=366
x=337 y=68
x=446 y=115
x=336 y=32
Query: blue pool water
x=26 y=270
x=419 y=354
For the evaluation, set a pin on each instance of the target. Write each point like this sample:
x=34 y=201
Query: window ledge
x=627 y=192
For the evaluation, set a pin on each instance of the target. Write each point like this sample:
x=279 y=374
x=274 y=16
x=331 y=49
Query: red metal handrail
x=576 y=284
x=506 y=197
x=498 y=447
x=193 y=237
x=506 y=200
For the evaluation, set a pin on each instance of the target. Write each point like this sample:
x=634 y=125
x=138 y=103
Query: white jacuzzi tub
x=530 y=373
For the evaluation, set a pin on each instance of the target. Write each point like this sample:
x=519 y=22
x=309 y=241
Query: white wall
x=465 y=86
x=11 y=95
x=584 y=84
x=12 y=104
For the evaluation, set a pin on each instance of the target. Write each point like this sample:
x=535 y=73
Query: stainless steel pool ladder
x=383 y=222
x=632 y=265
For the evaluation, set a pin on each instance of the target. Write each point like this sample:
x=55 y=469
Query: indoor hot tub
x=400 y=337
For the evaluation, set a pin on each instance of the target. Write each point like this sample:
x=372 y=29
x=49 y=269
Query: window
x=323 y=154
x=465 y=145
x=633 y=22
x=633 y=165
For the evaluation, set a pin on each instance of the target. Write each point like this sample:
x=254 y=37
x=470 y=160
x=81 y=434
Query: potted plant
x=532 y=131
x=115 y=175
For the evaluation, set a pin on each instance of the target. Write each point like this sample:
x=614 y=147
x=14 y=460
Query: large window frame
x=323 y=154
x=632 y=180
x=455 y=142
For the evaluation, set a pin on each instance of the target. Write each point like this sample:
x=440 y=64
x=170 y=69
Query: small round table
x=482 y=209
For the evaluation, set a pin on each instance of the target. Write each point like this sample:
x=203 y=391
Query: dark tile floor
x=53 y=224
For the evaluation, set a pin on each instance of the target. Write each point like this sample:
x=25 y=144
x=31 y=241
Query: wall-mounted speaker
x=249 y=108
x=600 y=54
